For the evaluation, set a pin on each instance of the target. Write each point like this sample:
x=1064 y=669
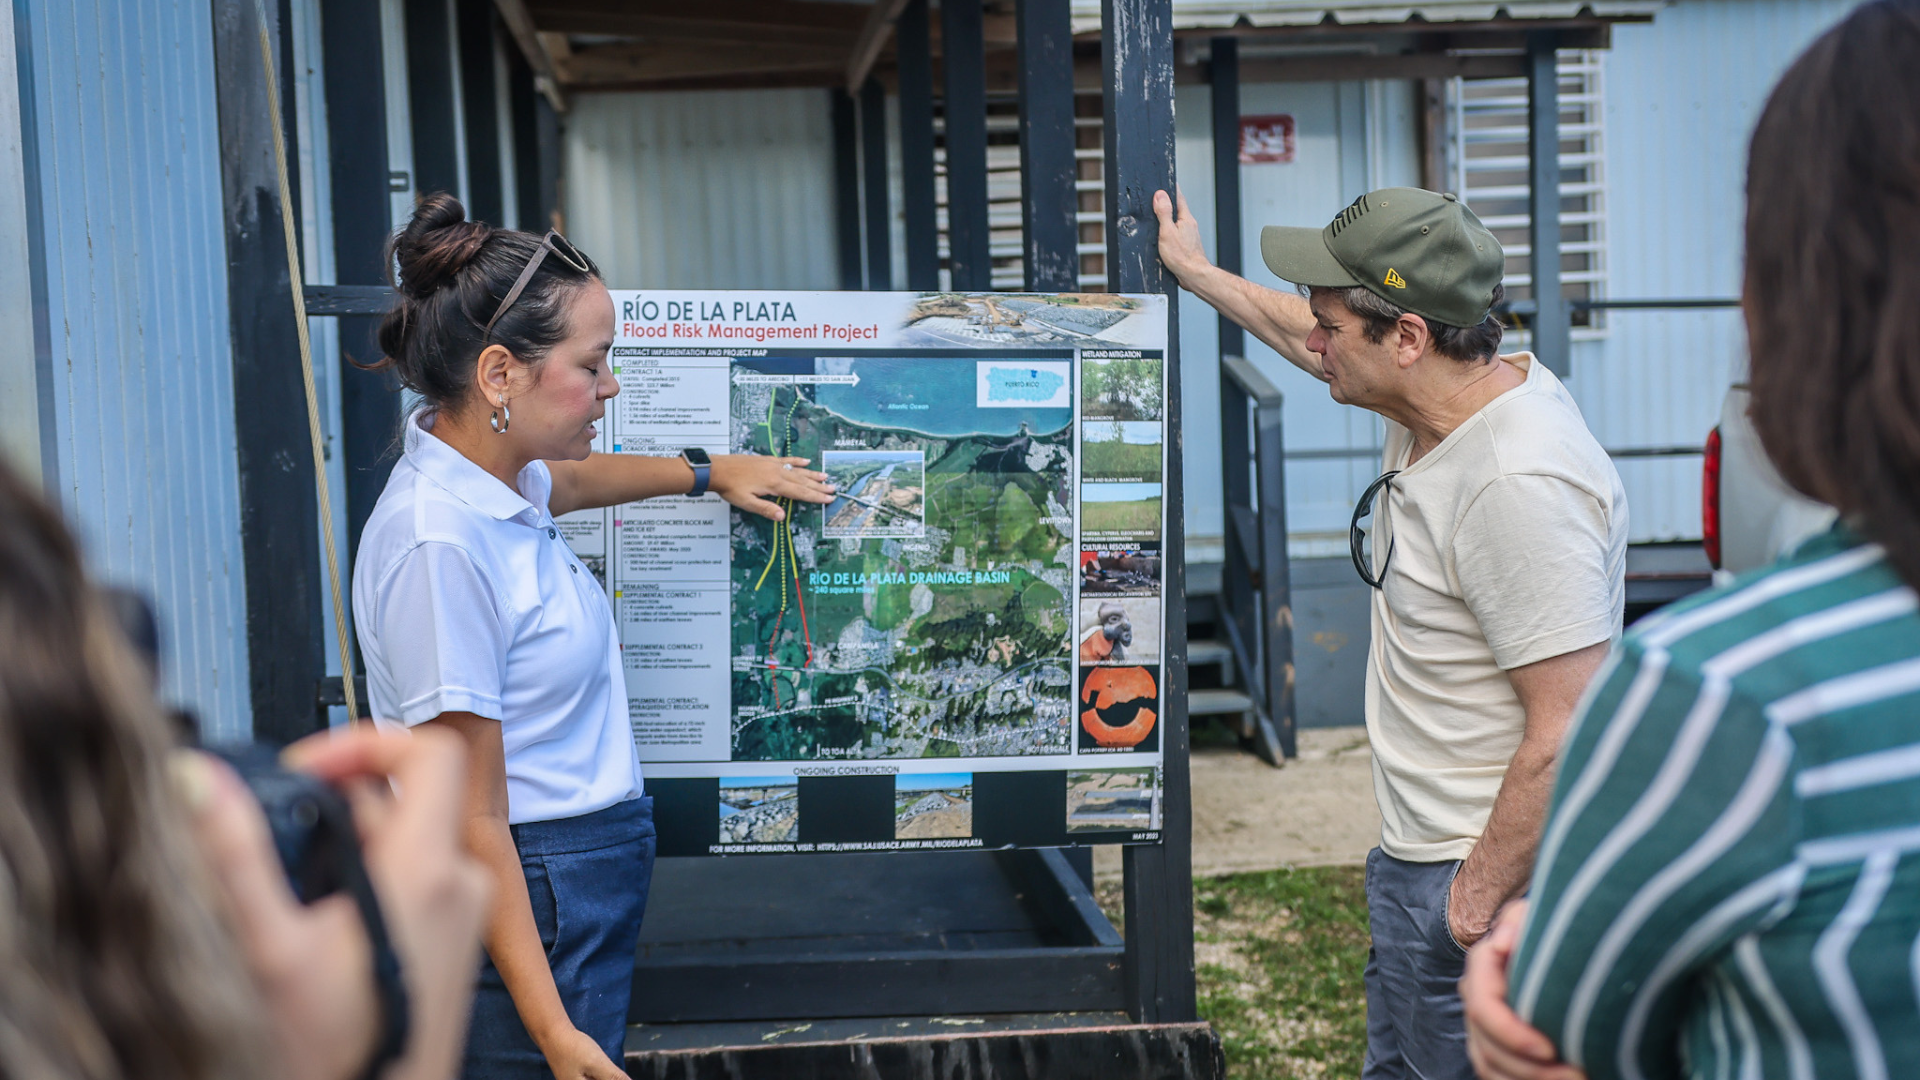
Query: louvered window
x=1488 y=163
x=1004 y=190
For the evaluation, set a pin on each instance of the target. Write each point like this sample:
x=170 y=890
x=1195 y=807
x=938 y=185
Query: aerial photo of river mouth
x=858 y=507
x=882 y=493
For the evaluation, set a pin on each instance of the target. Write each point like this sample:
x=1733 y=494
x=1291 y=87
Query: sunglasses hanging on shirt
x=1359 y=539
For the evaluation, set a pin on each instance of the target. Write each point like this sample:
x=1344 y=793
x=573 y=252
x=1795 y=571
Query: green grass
x=1280 y=957
x=1113 y=459
x=1137 y=516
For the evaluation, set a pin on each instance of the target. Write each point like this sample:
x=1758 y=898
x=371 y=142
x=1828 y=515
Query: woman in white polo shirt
x=474 y=615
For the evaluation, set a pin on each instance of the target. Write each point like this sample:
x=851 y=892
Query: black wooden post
x=1048 y=201
x=279 y=516
x=528 y=211
x=1136 y=60
x=873 y=159
x=362 y=219
x=436 y=154
x=963 y=59
x=1224 y=73
x=547 y=146
x=480 y=108
x=1552 y=326
x=917 y=200
x=846 y=188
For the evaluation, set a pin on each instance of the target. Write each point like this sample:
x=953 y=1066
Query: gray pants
x=1415 y=1029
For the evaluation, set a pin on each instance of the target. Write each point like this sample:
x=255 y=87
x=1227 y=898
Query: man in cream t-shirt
x=1496 y=548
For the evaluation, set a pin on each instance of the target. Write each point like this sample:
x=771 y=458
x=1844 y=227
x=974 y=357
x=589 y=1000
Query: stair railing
x=1256 y=601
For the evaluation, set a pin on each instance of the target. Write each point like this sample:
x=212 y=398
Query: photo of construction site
x=1110 y=800
x=882 y=494
x=998 y=319
x=932 y=806
x=759 y=810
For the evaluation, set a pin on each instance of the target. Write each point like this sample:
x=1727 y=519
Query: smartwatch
x=702 y=466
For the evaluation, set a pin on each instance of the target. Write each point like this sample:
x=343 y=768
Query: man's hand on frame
x=1180 y=246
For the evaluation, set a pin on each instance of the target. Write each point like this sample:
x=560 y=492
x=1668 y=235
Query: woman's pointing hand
x=752 y=481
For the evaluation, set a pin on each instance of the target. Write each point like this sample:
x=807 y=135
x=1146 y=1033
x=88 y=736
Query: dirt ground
x=1247 y=815
x=933 y=824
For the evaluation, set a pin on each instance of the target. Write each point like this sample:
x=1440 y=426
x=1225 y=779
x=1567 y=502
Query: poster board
x=964 y=650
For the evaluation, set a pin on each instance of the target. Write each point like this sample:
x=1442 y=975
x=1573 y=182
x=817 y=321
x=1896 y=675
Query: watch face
x=696 y=457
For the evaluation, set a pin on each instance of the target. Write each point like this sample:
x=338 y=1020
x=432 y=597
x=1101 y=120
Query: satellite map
x=924 y=613
x=883 y=493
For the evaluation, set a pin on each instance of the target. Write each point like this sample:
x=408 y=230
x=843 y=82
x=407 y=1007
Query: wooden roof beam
x=691 y=28
x=873 y=38
x=520 y=24
x=638 y=64
x=743 y=21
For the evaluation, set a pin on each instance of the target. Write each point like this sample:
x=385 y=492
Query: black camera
x=311 y=823
x=314 y=835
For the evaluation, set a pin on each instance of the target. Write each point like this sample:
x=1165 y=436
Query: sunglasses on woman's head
x=1357 y=537
x=552 y=242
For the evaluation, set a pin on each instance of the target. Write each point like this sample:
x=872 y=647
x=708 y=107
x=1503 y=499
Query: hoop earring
x=501 y=418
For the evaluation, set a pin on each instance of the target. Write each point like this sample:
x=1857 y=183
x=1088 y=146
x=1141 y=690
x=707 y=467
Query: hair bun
x=437 y=242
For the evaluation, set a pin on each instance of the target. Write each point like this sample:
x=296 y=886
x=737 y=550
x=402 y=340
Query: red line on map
x=805 y=634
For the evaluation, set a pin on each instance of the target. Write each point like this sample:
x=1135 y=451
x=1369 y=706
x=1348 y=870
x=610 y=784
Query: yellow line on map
x=771 y=560
x=782 y=529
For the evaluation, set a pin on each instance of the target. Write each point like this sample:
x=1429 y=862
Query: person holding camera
x=476 y=617
x=150 y=926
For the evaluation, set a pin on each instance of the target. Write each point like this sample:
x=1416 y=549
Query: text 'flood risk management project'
x=964 y=648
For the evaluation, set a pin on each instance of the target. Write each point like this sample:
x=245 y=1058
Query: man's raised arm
x=1282 y=320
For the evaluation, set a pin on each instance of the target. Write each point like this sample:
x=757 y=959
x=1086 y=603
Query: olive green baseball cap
x=1420 y=250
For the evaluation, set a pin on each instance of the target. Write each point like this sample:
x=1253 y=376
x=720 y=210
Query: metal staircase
x=1239 y=612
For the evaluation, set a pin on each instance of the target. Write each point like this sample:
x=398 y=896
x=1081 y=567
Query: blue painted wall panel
x=127 y=131
x=1682 y=96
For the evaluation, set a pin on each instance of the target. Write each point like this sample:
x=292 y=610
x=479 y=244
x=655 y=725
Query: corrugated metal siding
x=725 y=189
x=1683 y=94
x=1350 y=137
x=136 y=269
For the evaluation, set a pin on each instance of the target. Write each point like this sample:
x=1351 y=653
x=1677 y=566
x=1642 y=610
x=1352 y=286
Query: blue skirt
x=587 y=877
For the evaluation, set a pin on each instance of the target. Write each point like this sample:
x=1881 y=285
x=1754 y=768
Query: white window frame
x=1487 y=124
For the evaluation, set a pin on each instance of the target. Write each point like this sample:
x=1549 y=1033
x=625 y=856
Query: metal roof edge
x=1208 y=14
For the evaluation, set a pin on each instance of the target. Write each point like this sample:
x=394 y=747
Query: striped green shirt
x=1728 y=884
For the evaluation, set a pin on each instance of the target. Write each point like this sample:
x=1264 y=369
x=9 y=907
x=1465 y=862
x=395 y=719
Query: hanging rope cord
x=306 y=365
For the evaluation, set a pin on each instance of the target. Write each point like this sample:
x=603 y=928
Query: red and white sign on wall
x=1265 y=139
